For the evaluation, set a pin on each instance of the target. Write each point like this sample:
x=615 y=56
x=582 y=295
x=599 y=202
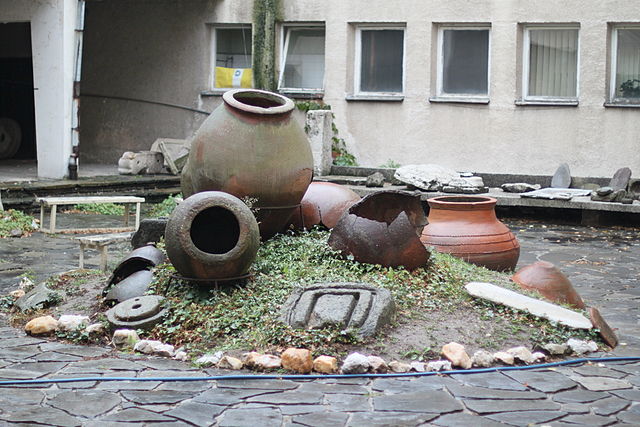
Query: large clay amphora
x=467 y=227
x=252 y=147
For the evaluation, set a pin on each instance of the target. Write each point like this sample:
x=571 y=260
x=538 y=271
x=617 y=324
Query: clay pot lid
x=547 y=279
x=258 y=101
x=462 y=202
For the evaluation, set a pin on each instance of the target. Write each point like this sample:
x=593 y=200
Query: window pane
x=628 y=64
x=381 y=61
x=465 y=61
x=553 y=63
x=304 y=64
x=233 y=48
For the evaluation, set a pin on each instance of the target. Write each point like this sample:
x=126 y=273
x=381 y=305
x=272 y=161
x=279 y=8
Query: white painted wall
x=52 y=38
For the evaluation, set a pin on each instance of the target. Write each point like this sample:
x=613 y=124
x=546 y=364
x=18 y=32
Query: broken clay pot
x=467 y=227
x=383 y=228
x=212 y=235
x=138 y=259
x=324 y=203
x=546 y=278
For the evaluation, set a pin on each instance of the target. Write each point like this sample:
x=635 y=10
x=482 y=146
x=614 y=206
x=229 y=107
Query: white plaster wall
x=52 y=38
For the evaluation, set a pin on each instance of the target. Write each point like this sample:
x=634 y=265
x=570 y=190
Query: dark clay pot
x=466 y=227
x=546 y=278
x=212 y=235
x=251 y=146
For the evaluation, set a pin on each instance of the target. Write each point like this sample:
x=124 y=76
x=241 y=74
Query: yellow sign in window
x=233 y=77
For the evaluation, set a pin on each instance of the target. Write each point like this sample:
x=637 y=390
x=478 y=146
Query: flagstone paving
x=603 y=265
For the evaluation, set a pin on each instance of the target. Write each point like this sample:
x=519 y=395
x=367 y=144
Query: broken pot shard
x=138 y=259
x=324 y=203
x=133 y=286
x=383 y=228
x=546 y=278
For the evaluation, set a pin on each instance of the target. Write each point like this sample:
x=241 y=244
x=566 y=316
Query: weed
x=12 y=219
x=165 y=207
x=99 y=208
x=391 y=164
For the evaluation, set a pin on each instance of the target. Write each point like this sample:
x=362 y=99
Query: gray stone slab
x=347 y=403
x=470 y=392
x=528 y=417
x=196 y=413
x=164 y=364
x=317 y=387
x=602 y=383
x=578 y=396
x=85 y=403
x=127 y=385
x=194 y=386
x=259 y=384
x=20 y=341
x=395 y=385
x=40 y=415
x=153 y=397
x=589 y=420
x=509 y=405
x=388 y=419
x=288 y=398
x=561 y=177
x=332 y=310
x=301 y=409
x=266 y=417
x=633 y=368
x=495 y=380
x=463 y=419
x=599 y=371
x=631 y=394
x=51 y=356
x=438 y=402
x=609 y=406
x=227 y=397
x=576 y=408
x=134 y=415
x=544 y=381
x=632 y=418
x=18 y=354
x=19 y=374
x=71 y=385
x=10 y=398
x=620 y=179
x=99 y=366
x=321 y=419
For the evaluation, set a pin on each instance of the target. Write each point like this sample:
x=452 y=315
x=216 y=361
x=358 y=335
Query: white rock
x=538 y=356
x=164 y=350
x=147 y=346
x=94 y=328
x=581 y=346
x=228 y=362
x=473 y=181
x=504 y=357
x=418 y=366
x=399 y=367
x=377 y=364
x=522 y=354
x=181 y=355
x=482 y=359
x=25 y=282
x=544 y=309
x=125 y=338
x=209 y=359
x=355 y=363
x=428 y=177
x=439 y=365
x=18 y=293
x=72 y=322
x=556 y=348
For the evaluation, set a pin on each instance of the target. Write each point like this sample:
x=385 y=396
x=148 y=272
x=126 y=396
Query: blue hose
x=315 y=377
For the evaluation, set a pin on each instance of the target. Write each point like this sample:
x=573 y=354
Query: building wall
x=160 y=51
x=52 y=38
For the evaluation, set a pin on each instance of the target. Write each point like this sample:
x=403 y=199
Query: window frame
x=460 y=97
x=284 y=47
x=357 y=70
x=613 y=68
x=526 y=66
x=214 y=53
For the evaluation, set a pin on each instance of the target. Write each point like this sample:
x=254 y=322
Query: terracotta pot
x=547 y=279
x=212 y=235
x=251 y=146
x=323 y=204
x=467 y=227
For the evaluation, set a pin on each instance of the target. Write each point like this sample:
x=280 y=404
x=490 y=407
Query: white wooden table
x=54 y=202
x=100 y=242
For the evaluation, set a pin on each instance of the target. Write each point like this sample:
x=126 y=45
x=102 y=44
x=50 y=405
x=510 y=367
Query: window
x=625 y=63
x=379 y=61
x=550 y=64
x=463 y=62
x=231 y=57
x=302 y=66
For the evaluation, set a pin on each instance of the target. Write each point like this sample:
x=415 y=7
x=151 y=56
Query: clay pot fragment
x=138 y=259
x=467 y=227
x=212 y=235
x=324 y=203
x=546 y=278
x=383 y=228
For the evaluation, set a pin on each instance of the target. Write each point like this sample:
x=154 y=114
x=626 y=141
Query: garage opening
x=17 y=114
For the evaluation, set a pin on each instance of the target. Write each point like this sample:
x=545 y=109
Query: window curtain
x=553 y=63
x=381 y=61
x=628 y=63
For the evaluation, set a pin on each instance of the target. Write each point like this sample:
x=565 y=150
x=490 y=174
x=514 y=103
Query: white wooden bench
x=54 y=202
x=100 y=242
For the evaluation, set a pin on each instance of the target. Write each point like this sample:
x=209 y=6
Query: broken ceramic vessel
x=546 y=278
x=324 y=203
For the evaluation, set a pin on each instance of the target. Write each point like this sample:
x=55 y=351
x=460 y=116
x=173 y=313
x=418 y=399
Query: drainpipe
x=75 y=112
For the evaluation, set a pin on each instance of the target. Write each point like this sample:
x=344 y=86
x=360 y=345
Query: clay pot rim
x=286 y=106
x=462 y=202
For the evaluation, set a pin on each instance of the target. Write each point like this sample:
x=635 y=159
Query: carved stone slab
x=356 y=306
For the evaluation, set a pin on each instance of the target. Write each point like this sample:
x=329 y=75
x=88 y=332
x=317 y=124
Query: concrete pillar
x=318 y=127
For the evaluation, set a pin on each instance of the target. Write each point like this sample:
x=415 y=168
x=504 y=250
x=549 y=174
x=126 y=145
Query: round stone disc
x=138 y=308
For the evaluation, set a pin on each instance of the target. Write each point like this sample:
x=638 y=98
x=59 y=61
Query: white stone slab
x=536 y=307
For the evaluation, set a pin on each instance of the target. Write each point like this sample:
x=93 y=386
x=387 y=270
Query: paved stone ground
x=602 y=264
